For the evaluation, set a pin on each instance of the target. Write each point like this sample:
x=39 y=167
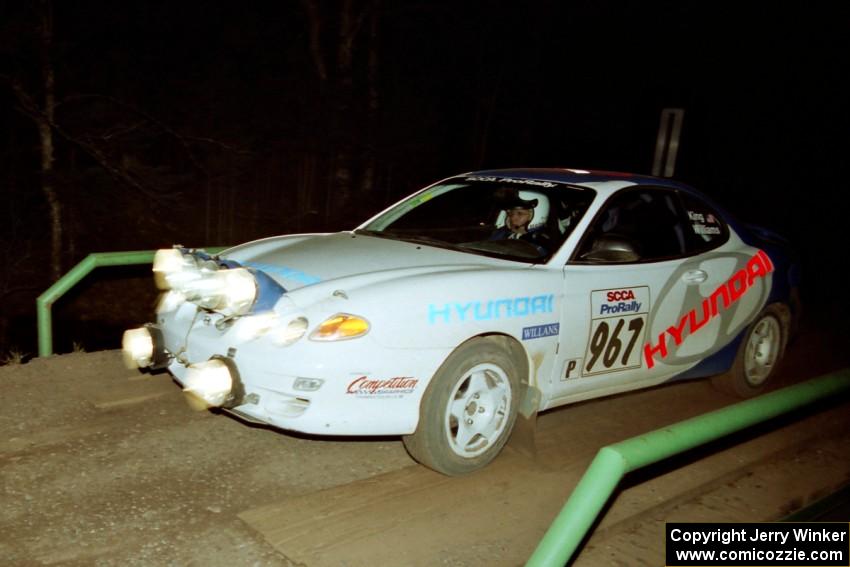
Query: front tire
x=758 y=355
x=468 y=411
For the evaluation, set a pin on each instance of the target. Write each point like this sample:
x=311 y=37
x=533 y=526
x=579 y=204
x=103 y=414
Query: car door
x=634 y=292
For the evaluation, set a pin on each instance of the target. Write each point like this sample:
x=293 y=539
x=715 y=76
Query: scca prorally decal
x=615 y=303
x=617 y=327
x=389 y=387
x=493 y=309
x=759 y=266
x=286 y=273
x=540 y=331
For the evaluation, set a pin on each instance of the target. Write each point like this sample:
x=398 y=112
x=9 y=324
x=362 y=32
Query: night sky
x=214 y=123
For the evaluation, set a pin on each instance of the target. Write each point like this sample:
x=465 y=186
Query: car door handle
x=694 y=277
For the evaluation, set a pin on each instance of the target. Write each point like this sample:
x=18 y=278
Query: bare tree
x=367 y=181
x=45 y=134
x=349 y=20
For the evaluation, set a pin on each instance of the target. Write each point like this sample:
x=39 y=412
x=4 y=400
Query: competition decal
x=617 y=325
x=365 y=387
x=493 y=309
x=758 y=266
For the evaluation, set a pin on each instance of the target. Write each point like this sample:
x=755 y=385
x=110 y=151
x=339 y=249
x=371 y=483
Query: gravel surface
x=101 y=465
x=93 y=476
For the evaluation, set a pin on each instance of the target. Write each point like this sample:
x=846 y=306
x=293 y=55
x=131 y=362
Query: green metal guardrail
x=46 y=300
x=613 y=462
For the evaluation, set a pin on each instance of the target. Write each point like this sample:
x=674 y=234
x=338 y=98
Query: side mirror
x=612 y=248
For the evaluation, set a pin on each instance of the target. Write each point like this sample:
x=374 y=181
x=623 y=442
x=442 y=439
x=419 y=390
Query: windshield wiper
x=419 y=239
x=375 y=233
x=414 y=238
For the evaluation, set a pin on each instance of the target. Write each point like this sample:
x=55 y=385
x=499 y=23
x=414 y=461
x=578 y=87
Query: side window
x=706 y=230
x=637 y=225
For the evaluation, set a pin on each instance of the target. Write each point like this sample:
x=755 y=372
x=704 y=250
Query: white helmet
x=537 y=202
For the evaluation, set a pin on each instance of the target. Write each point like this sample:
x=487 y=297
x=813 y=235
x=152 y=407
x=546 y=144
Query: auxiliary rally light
x=214 y=383
x=143 y=348
x=230 y=290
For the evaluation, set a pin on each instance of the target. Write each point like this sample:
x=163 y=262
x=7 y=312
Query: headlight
x=255 y=326
x=340 y=327
x=285 y=336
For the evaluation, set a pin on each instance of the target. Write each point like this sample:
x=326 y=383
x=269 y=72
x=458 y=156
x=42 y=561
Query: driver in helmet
x=519 y=209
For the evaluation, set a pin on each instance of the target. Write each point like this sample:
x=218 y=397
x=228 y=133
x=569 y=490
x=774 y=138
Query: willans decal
x=540 y=331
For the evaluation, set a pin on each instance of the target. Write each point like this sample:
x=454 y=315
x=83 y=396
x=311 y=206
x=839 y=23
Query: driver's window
x=636 y=225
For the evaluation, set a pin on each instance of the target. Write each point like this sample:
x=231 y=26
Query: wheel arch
x=530 y=394
x=514 y=348
x=735 y=380
x=431 y=443
x=786 y=319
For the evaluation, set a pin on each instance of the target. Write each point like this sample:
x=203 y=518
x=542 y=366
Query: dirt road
x=105 y=466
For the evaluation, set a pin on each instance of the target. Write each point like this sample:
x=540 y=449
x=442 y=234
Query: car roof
x=596 y=179
x=608 y=182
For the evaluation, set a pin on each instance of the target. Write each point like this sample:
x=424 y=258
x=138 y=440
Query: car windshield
x=517 y=219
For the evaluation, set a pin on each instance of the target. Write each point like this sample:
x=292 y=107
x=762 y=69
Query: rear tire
x=468 y=411
x=758 y=355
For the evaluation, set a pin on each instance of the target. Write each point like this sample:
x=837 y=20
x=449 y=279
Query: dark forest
x=138 y=125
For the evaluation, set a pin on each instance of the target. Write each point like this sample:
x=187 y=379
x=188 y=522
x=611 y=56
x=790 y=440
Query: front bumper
x=351 y=387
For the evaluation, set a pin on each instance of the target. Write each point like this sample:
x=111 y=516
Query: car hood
x=304 y=260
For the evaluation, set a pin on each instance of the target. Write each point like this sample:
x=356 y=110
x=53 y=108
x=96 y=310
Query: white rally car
x=443 y=318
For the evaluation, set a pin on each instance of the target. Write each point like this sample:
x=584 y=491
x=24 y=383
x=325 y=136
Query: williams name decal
x=759 y=266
